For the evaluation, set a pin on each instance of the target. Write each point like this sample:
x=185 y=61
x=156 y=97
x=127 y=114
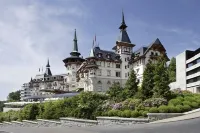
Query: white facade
x=188 y=71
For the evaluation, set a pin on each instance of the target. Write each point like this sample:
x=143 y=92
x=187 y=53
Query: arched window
x=109 y=83
x=99 y=86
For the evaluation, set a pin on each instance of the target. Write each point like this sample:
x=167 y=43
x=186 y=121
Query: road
x=186 y=126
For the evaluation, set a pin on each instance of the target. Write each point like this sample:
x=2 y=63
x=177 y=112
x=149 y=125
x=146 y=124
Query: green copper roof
x=75 y=49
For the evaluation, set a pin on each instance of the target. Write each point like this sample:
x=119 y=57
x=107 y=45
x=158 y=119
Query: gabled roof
x=143 y=50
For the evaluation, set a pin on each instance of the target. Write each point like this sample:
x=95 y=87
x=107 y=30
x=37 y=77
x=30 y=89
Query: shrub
x=194 y=105
x=163 y=109
x=155 y=102
x=173 y=109
x=153 y=110
x=186 y=108
x=29 y=112
x=145 y=113
x=175 y=102
x=187 y=103
x=127 y=113
x=135 y=114
x=147 y=108
x=189 y=99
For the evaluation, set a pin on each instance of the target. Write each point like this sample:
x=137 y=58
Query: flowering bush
x=154 y=102
x=117 y=106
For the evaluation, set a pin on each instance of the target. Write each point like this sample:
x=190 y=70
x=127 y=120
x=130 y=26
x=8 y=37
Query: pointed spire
x=123 y=24
x=75 y=49
x=48 y=63
x=48 y=70
x=31 y=79
x=75 y=46
x=92 y=50
x=123 y=37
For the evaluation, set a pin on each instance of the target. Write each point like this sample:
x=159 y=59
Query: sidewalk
x=179 y=118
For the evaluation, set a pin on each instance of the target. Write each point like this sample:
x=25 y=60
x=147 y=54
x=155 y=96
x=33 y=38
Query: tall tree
x=172 y=70
x=148 y=81
x=131 y=86
x=14 y=96
x=161 y=79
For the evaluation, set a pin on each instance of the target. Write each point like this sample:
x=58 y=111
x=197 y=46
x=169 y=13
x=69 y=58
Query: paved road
x=186 y=126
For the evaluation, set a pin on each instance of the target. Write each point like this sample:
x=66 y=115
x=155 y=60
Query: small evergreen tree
x=115 y=92
x=161 y=79
x=172 y=70
x=131 y=86
x=148 y=81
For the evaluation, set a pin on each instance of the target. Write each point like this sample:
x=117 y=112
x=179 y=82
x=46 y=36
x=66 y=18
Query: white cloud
x=30 y=32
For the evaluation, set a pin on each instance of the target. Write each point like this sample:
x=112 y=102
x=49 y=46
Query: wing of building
x=188 y=71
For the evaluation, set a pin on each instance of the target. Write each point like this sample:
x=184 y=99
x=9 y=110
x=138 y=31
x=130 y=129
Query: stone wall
x=69 y=122
x=120 y=121
x=48 y=123
x=16 y=124
x=27 y=123
x=160 y=116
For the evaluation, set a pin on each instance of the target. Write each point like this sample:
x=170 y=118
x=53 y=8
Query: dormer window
x=99 y=55
x=152 y=53
x=108 y=56
x=156 y=54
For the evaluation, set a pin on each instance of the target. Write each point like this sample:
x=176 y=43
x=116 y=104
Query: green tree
x=14 y=96
x=172 y=70
x=1 y=105
x=161 y=79
x=131 y=86
x=29 y=112
x=115 y=92
x=148 y=81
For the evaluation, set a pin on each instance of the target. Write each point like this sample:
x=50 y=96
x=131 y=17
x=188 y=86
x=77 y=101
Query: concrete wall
x=6 y=109
x=181 y=71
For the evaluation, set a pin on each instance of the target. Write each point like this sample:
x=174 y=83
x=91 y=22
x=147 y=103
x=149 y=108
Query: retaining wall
x=120 y=121
x=48 y=123
x=160 y=116
x=77 y=122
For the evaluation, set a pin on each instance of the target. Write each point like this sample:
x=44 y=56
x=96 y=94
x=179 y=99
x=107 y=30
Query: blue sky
x=33 y=30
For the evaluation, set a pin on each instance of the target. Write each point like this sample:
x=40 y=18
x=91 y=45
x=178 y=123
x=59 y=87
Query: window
x=117 y=65
x=99 y=72
x=156 y=54
x=198 y=60
x=137 y=70
x=128 y=66
x=99 y=55
x=128 y=58
x=108 y=56
x=128 y=74
x=108 y=64
x=125 y=67
x=108 y=72
x=99 y=63
x=125 y=59
x=118 y=74
x=99 y=85
x=152 y=53
x=125 y=74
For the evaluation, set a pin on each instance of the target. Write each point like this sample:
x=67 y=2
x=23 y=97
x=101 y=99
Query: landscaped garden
x=153 y=96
